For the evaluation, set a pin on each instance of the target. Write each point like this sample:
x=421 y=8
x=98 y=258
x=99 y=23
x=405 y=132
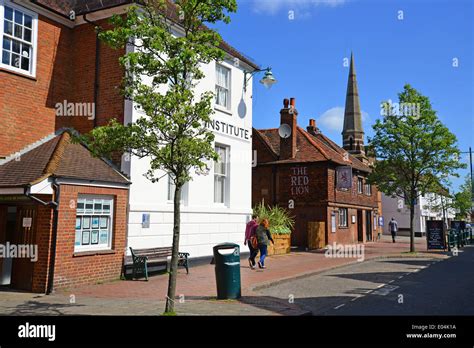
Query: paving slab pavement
x=196 y=291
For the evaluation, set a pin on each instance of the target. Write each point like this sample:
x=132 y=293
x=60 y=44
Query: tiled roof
x=58 y=157
x=29 y=167
x=81 y=7
x=311 y=148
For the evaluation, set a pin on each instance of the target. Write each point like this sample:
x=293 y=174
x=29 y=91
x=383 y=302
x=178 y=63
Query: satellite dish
x=284 y=131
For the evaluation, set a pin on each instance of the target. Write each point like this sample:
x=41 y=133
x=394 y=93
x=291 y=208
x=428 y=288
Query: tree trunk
x=412 y=226
x=170 y=299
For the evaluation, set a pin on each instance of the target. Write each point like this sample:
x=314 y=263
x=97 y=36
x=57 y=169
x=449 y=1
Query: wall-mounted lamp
x=268 y=79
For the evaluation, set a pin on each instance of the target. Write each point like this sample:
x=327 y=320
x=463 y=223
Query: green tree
x=463 y=199
x=415 y=152
x=161 y=73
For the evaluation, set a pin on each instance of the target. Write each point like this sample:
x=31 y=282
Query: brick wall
x=110 y=103
x=344 y=235
x=303 y=183
x=44 y=228
x=27 y=105
x=262 y=185
x=65 y=70
x=311 y=187
x=351 y=196
x=75 y=269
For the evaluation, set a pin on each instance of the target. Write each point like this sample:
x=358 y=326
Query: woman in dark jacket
x=263 y=236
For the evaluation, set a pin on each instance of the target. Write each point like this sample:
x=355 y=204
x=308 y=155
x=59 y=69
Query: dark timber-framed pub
x=324 y=186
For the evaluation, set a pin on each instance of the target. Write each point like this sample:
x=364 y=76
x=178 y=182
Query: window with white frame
x=221 y=175
x=222 y=86
x=18 y=32
x=368 y=189
x=360 y=185
x=94 y=219
x=343 y=217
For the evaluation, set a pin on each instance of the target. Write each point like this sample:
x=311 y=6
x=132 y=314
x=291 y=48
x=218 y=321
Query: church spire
x=353 y=133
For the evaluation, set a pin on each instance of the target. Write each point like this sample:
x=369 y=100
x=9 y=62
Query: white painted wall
x=203 y=223
x=395 y=207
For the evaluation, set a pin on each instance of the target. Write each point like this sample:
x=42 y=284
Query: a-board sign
x=435 y=234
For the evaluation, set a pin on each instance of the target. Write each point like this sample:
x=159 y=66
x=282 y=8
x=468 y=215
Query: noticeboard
x=435 y=234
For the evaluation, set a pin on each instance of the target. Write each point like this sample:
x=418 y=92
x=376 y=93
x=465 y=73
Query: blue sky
x=418 y=46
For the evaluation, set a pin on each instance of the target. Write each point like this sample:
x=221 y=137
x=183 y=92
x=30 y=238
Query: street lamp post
x=472 y=178
x=268 y=79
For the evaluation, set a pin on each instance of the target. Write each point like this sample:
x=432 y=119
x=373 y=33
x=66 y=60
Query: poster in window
x=78 y=223
x=86 y=222
x=103 y=222
x=86 y=237
x=104 y=237
x=95 y=222
x=95 y=237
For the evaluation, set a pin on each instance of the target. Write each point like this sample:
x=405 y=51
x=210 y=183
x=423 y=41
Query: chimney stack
x=312 y=129
x=288 y=116
x=292 y=103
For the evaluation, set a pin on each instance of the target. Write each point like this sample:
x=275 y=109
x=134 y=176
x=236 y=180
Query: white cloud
x=333 y=119
x=273 y=6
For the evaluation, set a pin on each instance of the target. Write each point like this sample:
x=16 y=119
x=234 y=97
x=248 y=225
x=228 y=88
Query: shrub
x=280 y=220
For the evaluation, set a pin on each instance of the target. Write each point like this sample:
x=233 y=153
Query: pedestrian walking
x=250 y=230
x=393 y=226
x=263 y=237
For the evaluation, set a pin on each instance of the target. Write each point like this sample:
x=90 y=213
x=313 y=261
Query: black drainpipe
x=55 y=205
x=96 y=72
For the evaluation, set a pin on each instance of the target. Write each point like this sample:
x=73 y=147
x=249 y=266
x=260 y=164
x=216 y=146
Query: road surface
x=395 y=286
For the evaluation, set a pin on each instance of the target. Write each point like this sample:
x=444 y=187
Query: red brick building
x=298 y=169
x=53 y=194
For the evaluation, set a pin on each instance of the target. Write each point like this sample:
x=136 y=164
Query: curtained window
x=220 y=174
x=222 y=86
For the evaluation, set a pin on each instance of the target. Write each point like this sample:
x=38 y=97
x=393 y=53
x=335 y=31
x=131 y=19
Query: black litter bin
x=227 y=261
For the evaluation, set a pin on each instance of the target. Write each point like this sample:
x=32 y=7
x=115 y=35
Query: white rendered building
x=215 y=207
x=429 y=207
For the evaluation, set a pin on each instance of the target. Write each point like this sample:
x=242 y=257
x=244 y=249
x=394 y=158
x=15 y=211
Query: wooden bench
x=141 y=259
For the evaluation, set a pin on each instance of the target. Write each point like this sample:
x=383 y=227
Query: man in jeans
x=393 y=226
x=249 y=231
